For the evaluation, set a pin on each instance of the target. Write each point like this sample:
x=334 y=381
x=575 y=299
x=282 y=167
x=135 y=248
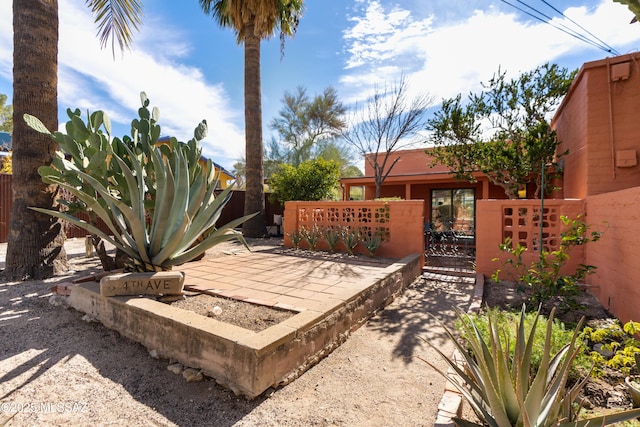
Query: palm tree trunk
x=36 y=241
x=254 y=195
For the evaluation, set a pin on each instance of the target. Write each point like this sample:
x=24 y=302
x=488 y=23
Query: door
x=451 y=232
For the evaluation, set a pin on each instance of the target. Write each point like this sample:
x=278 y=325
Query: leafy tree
x=634 y=7
x=252 y=21
x=504 y=131
x=312 y=180
x=388 y=122
x=6 y=115
x=303 y=123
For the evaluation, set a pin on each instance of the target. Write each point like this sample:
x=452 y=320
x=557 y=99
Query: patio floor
x=283 y=279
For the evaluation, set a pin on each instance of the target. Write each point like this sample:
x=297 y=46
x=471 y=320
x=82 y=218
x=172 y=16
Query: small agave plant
x=332 y=236
x=501 y=387
x=158 y=203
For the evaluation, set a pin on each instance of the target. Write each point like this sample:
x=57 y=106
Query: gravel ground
x=58 y=369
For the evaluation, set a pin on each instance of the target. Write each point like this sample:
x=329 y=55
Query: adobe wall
x=598 y=123
x=616 y=282
x=571 y=127
x=410 y=162
x=403 y=221
x=518 y=218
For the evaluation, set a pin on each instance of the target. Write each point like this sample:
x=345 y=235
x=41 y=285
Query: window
x=453 y=209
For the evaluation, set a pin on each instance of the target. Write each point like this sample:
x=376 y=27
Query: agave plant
x=372 y=240
x=296 y=238
x=159 y=207
x=350 y=238
x=311 y=236
x=502 y=390
x=332 y=236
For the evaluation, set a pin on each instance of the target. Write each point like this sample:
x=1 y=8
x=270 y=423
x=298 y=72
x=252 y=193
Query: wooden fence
x=233 y=210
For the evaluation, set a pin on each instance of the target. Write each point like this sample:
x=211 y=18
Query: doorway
x=450 y=235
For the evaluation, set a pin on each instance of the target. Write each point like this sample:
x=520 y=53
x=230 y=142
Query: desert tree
x=391 y=120
x=504 y=131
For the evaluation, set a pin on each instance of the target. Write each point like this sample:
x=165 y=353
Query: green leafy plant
x=312 y=180
x=350 y=238
x=544 y=276
x=505 y=322
x=160 y=207
x=332 y=236
x=502 y=387
x=311 y=236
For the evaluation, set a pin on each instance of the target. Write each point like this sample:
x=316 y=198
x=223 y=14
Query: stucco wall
x=616 y=282
x=598 y=124
x=402 y=219
x=492 y=223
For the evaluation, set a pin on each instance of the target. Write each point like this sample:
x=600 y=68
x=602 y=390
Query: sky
x=191 y=69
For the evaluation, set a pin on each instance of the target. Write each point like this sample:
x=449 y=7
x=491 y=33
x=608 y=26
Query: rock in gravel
x=192 y=375
x=176 y=368
x=215 y=311
x=57 y=300
x=89 y=318
x=154 y=354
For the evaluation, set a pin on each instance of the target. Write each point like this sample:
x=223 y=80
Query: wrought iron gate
x=450 y=248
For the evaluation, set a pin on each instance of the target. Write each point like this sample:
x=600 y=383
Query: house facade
x=598 y=122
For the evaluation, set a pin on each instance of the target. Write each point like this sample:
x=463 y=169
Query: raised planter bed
x=244 y=361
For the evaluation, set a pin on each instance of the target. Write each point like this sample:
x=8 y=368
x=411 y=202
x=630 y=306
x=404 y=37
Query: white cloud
x=455 y=57
x=91 y=78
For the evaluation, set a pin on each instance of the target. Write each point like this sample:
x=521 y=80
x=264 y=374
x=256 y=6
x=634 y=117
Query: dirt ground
x=59 y=368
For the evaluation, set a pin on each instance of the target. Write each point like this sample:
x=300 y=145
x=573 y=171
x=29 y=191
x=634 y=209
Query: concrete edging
x=450 y=405
x=244 y=361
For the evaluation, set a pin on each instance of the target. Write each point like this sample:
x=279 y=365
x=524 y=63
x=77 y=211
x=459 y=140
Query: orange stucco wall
x=616 y=282
x=409 y=162
x=404 y=220
x=492 y=224
x=598 y=124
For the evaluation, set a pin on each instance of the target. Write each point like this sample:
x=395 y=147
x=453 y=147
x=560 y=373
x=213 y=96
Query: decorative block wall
x=399 y=222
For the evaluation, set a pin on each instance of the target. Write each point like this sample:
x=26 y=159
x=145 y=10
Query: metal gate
x=450 y=248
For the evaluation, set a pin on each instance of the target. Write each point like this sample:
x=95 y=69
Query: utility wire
x=581 y=27
x=568 y=31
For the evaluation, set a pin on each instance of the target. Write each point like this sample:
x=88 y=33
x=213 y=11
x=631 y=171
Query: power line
x=581 y=27
x=601 y=45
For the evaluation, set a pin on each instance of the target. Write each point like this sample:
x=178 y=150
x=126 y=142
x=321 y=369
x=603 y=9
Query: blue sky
x=193 y=70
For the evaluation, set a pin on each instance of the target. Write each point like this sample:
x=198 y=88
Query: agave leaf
x=477 y=403
x=89 y=227
x=223 y=234
x=164 y=196
x=180 y=199
x=604 y=420
x=170 y=246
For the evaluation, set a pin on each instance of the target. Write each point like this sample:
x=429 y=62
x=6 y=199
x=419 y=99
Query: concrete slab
x=244 y=361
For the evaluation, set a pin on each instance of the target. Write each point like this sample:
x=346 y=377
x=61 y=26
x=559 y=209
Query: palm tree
x=252 y=21
x=36 y=241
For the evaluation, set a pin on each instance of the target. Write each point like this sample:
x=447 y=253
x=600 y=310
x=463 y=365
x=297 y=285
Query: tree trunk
x=36 y=241
x=254 y=194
